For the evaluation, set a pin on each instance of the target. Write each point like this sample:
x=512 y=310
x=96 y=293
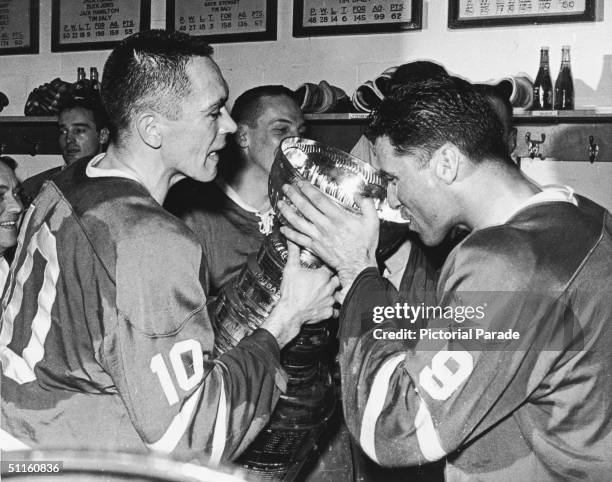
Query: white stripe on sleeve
x=169 y=440
x=220 y=434
x=375 y=405
x=427 y=437
x=8 y=442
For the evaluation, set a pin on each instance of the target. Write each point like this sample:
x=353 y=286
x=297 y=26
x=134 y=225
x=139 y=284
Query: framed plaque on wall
x=224 y=21
x=18 y=27
x=339 y=17
x=484 y=13
x=96 y=25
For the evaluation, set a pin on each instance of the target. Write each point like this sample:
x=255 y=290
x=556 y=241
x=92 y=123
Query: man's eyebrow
x=218 y=103
x=211 y=107
x=76 y=124
x=283 y=120
x=387 y=175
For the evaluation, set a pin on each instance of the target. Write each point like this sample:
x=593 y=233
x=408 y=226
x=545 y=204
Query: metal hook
x=593 y=149
x=33 y=144
x=534 y=146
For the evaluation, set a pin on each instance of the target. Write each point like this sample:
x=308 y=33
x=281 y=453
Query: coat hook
x=33 y=145
x=593 y=149
x=534 y=146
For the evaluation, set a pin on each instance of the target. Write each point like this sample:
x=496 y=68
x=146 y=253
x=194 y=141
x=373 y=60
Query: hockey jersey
x=216 y=218
x=106 y=340
x=536 y=406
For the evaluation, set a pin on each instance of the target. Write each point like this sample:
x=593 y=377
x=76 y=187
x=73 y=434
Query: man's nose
x=296 y=131
x=15 y=205
x=227 y=124
x=392 y=198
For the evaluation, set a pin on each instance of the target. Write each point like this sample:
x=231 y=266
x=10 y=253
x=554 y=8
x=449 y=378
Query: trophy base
x=302 y=412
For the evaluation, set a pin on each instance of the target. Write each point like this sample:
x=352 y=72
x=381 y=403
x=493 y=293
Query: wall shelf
x=558 y=135
x=520 y=116
x=28 y=135
x=21 y=119
x=566 y=133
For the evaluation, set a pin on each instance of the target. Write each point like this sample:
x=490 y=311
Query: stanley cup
x=244 y=303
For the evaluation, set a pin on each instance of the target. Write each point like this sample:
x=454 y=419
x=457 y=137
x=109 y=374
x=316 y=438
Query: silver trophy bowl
x=333 y=171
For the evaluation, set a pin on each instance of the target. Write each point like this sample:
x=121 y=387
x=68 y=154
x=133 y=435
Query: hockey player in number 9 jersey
x=505 y=375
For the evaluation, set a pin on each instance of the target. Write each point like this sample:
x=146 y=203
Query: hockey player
x=106 y=340
x=537 y=262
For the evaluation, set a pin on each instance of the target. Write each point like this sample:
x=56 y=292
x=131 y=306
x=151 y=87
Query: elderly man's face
x=191 y=143
x=10 y=207
x=78 y=136
x=280 y=117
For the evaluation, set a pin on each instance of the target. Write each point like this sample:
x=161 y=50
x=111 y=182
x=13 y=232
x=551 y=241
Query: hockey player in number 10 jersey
x=106 y=340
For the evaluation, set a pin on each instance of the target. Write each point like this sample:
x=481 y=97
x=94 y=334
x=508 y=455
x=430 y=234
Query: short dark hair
x=93 y=104
x=9 y=162
x=419 y=118
x=417 y=71
x=494 y=92
x=248 y=107
x=147 y=70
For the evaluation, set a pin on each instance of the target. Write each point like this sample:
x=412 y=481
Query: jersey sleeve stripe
x=8 y=442
x=12 y=309
x=169 y=440
x=14 y=366
x=21 y=369
x=220 y=432
x=375 y=405
x=4 y=273
x=45 y=243
x=427 y=437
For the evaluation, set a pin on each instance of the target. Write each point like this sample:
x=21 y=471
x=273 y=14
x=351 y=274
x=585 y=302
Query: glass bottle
x=564 y=86
x=93 y=78
x=80 y=86
x=542 y=87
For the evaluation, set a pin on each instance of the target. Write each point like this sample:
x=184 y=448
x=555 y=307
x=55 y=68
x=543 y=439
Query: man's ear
x=512 y=140
x=103 y=136
x=445 y=163
x=148 y=127
x=242 y=136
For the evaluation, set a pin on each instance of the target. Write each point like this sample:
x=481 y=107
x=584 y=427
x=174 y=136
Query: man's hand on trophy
x=306 y=296
x=344 y=240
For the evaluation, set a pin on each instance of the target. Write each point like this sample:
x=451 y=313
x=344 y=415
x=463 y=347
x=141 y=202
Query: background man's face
x=78 y=136
x=191 y=142
x=10 y=208
x=281 y=117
